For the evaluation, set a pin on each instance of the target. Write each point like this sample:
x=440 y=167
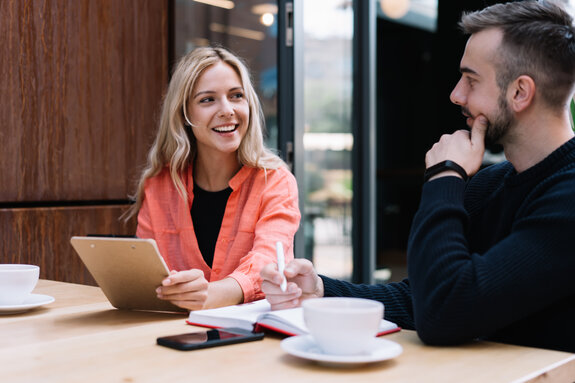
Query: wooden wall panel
x=80 y=83
x=41 y=236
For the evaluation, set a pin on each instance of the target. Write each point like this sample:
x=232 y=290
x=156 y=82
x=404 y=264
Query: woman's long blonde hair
x=175 y=144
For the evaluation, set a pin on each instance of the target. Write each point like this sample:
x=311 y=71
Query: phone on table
x=209 y=338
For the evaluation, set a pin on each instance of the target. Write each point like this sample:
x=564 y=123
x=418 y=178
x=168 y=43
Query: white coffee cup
x=343 y=326
x=17 y=282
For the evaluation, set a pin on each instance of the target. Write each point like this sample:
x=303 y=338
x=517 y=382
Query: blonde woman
x=214 y=198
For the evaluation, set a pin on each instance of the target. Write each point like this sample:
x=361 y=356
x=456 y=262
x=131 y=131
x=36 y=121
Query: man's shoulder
x=493 y=174
x=498 y=169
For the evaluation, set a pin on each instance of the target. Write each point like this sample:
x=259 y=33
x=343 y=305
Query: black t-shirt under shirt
x=207 y=214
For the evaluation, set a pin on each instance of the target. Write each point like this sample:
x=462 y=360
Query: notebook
x=257 y=316
x=128 y=270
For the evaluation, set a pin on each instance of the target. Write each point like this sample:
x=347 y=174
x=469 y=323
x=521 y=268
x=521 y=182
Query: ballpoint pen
x=281 y=264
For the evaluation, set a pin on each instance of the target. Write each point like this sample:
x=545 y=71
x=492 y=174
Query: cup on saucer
x=17 y=282
x=343 y=326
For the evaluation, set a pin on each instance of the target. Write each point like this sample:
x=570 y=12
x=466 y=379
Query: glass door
x=328 y=141
x=302 y=54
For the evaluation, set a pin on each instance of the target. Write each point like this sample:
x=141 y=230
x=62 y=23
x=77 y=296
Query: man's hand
x=462 y=147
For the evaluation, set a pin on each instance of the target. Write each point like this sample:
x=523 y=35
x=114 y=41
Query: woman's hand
x=303 y=283
x=187 y=289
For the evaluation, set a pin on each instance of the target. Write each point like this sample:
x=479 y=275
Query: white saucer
x=305 y=347
x=34 y=300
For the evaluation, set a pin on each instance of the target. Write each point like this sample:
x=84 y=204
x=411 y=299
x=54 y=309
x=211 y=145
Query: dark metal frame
x=364 y=151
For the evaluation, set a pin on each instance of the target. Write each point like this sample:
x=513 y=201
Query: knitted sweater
x=492 y=259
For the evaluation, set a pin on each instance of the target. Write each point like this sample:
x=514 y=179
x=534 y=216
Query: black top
x=207 y=213
x=491 y=258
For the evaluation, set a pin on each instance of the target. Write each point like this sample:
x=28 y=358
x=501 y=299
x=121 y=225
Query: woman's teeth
x=225 y=129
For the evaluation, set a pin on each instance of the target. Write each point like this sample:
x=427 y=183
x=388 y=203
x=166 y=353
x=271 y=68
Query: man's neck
x=531 y=141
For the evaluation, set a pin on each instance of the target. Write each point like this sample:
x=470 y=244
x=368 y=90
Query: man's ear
x=521 y=93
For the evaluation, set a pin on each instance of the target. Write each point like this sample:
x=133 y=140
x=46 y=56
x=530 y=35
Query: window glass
x=327 y=139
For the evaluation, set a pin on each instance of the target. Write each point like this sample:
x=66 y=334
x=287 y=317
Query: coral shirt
x=261 y=210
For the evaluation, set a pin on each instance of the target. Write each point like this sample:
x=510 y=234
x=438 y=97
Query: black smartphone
x=209 y=338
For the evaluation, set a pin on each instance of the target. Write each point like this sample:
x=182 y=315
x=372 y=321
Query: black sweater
x=492 y=259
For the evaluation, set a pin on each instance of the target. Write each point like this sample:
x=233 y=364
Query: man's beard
x=498 y=125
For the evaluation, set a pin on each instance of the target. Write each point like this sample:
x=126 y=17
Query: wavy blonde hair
x=175 y=144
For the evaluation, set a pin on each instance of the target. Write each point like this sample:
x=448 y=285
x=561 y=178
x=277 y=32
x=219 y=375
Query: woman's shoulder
x=279 y=172
x=268 y=177
x=162 y=180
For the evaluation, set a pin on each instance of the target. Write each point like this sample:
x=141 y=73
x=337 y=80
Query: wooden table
x=81 y=338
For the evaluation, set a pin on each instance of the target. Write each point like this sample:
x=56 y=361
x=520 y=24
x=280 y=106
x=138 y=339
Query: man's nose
x=457 y=95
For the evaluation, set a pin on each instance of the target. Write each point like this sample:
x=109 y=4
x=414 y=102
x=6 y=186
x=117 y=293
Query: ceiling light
x=267 y=19
x=237 y=31
x=395 y=9
x=260 y=9
x=227 y=4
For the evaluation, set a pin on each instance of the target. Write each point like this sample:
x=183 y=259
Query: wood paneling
x=41 y=236
x=80 y=82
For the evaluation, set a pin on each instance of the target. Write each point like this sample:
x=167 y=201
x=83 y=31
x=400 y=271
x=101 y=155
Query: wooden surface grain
x=80 y=337
x=41 y=236
x=81 y=84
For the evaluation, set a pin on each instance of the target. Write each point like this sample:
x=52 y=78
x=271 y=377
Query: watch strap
x=444 y=166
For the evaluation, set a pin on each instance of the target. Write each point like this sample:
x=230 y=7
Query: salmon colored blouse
x=261 y=210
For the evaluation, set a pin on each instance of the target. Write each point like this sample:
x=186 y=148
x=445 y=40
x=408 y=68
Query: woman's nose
x=226 y=109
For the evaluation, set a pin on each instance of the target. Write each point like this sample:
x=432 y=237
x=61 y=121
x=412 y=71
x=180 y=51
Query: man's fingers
x=478 y=131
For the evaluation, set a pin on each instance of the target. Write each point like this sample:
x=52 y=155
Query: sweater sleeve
x=395 y=296
x=459 y=295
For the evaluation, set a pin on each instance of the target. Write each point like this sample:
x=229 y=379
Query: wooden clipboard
x=128 y=270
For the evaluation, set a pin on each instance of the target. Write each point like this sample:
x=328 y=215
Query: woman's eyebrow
x=203 y=92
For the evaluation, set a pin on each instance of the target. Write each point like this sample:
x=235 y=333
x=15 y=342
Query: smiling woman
x=214 y=198
x=220 y=117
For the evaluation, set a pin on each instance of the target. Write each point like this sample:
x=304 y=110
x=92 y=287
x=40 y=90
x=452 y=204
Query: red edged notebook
x=258 y=316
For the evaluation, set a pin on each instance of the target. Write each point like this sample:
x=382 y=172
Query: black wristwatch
x=442 y=167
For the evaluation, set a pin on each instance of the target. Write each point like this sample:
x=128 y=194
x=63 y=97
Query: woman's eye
x=238 y=95
x=206 y=99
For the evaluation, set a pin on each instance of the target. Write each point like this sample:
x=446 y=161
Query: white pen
x=281 y=264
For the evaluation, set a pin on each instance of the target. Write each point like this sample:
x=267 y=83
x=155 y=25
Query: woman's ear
x=521 y=93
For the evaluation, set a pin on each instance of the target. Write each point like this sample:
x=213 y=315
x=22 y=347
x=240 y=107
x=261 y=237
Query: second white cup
x=17 y=282
x=343 y=326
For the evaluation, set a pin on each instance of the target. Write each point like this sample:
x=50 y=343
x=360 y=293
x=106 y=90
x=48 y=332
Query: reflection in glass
x=328 y=141
x=241 y=27
x=420 y=14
